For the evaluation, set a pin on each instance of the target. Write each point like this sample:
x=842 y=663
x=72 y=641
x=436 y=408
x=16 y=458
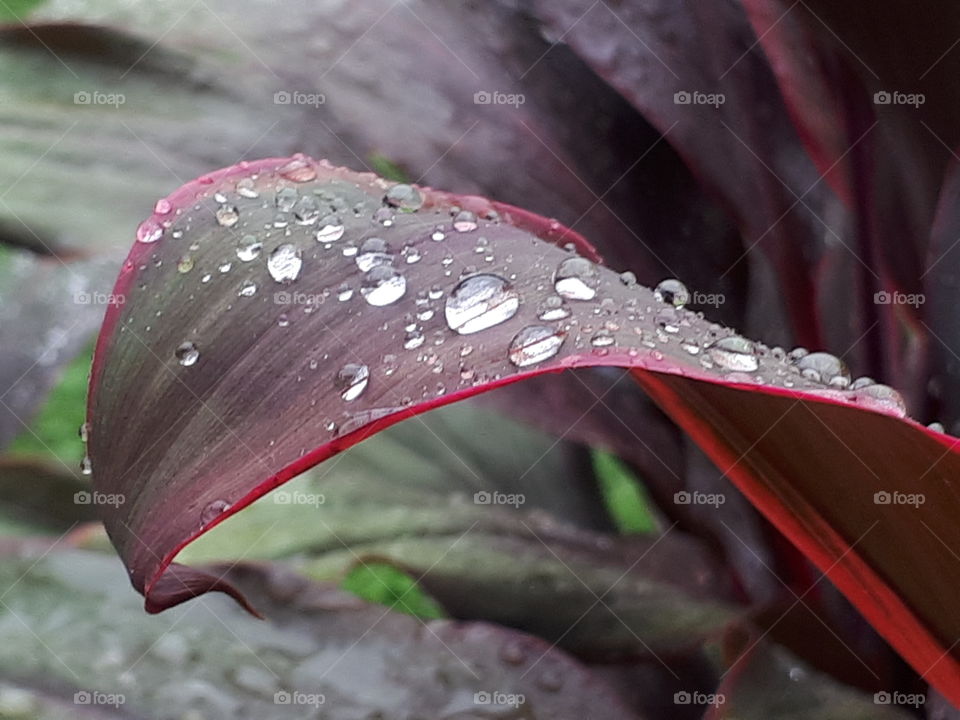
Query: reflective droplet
x=384 y=216
x=734 y=353
x=628 y=278
x=404 y=197
x=163 y=207
x=331 y=229
x=286 y=198
x=374 y=251
x=249 y=248
x=285 y=263
x=465 y=221
x=248 y=289
x=187 y=354
x=577 y=279
x=480 y=302
x=862 y=382
x=352 y=380
x=413 y=339
x=383 y=285
x=936 y=427
x=344 y=293
x=603 y=338
x=884 y=397
x=184 y=264
x=283 y=320
x=84 y=432
x=246 y=188
x=411 y=254
x=824 y=367
x=673 y=292
x=437 y=235
x=227 y=215
x=534 y=344
x=306 y=210
x=552 y=308
x=149 y=231
x=213 y=510
x=86 y=466
x=298 y=170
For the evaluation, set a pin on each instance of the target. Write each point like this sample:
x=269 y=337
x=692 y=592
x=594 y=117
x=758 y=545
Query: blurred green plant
x=623 y=493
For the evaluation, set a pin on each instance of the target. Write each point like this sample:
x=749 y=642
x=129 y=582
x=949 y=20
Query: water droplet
x=824 y=367
x=550 y=679
x=86 y=466
x=384 y=216
x=331 y=229
x=283 y=320
x=411 y=254
x=734 y=353
x=480 y=302
x=185 y=264
x=344 y=292
x=249 y=248
x=227 y=215
x=245 y=188
x=667 y=320
x=163 y=207
x=84 y=432
x=306 y=210
x=285 y=263
x=862 y=382
x=286 y=198
x=187 y=354
x=413 y=339
x=352 y=380
x=149 y=231
x=577 y=279
x=603 y=338
x=373 y=252
x=405 y=197
x=534 y=344
x=628 y=278
x=797 y=353
x=213 y=510
x=383 y=285
x=225 y=267
x=437 y=235
x=248 y=289
x=513 y=653
x=884 y=397
x=936 y=427
x=465 y=221
x=299 y=170
x=673 y=292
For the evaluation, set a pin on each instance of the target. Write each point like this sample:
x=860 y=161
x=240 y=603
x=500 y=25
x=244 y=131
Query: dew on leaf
x=480 y=302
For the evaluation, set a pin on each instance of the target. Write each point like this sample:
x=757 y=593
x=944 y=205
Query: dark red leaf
x=206 y=394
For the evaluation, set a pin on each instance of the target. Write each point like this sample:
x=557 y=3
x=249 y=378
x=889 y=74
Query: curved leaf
x=233 y=368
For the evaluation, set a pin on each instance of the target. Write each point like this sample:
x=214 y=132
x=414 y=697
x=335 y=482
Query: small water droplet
x=285 y=263
x=383 y=285
x=603 y=338
x=286 y=198
x=187 y=354
x=534 y=344
x=185 y=264
x=936 y=427
x=283 y=321
x=628 y=278
x=437 y=235
x=577 y=279
x=673 y=292
x=734 y=353
x=344 y=292
x=862 y=382
x=480 y=302
x=245 y=188
x=248 y=289
x=413 y=339
x=227 y=215
x=825 y=368
x=86 y=466
x=411 y=254
x=465 y=221
x=249 y=248
x=299 y=170
x=149 y=231
x=331 y=229
x=552 y=308
x=352 y=380
x=84 y=432
x=384 y=216
x=213 y=510
x=306 y=210
x=373 y=252
x=513 y=653
x=163 y=207
x=404 y=197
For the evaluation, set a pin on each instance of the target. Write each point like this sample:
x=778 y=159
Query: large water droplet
x=465 y=221
x=187 y=354
x=163 y=207
x=577 y=279
x=331 y=229
x=383 y=285
x=480 y=302
x=734 y=353
x=405 y=197
x=884 y=397
x=673 y=292
x=149 y=231
x=374 y=251
x=298 y=170
x=285 y=263
x=352 y=380
x=824 y=367
x=249 y=248
x=534 y=344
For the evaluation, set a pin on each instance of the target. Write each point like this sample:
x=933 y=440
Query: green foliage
x=384 y=584
x=386 y=168
x=623 y=493
x=17 y=9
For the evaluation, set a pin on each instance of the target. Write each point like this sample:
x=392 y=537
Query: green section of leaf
x=17 y=9
x=623 y=494
x=385 y=585
x=386 y=168
x=53 y=434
